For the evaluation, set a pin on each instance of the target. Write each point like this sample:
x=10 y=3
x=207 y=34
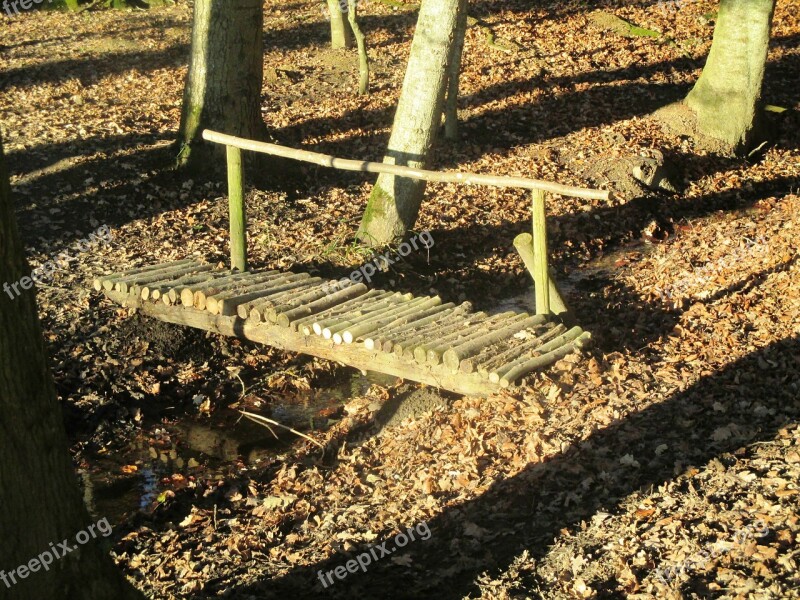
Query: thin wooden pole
x=541 y=276
x=238 y=218
x=372 y=167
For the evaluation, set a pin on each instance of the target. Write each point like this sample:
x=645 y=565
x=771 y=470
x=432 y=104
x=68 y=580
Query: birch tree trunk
x=42 y=504
x=394 y=202
x=726 y=97
x=223 y=85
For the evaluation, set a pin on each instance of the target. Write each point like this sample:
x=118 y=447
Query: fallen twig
x=261 y=420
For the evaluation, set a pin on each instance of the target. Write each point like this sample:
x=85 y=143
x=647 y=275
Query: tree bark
x=41 y=500
x=454 y=72
x=341 y=33
x=394 y=202
x=223 y=85
x=726 y=97
x=363 y=58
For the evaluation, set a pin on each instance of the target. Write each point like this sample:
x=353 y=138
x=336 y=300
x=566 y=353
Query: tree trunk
x=726 y=97
x=223 y=85
x=454 y=72
x=341 y=33
x=394 y=202
x=42 y=504
x=363 y=58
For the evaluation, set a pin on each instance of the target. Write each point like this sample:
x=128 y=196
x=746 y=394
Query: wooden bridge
x=417 y=338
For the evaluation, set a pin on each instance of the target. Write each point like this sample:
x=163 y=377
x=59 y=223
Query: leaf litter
x=677 y=430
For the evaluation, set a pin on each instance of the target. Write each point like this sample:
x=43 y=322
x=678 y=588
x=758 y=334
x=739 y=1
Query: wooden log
x=126 y=284
x=320 y=325
x=524 y=245
x=258 y=309
x=173 y=293
x=107 y=282
x=452 y=358
x=486 y=361
x=496 y=374
x=393 y=309
x=401 y=171
x=453 y=329
x=250 y=281
x=433 y=352
x=341 y=322
x=186 y=294
x=116 y=281
x=286 y=319
x=135 y=287
x=351 y=334
x=425 y=325
x=544 y=360
x=467 y=328
x=227 y=302
x=236 y=210
x=228 y=306
x=326 y=327
x=269 y=312
x=156 y=288
x=419 y=335
x=306 y=324
x=377 y=338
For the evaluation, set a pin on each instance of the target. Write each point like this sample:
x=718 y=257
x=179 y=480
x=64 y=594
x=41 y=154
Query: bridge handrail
x=347 y=164
x=533 y=252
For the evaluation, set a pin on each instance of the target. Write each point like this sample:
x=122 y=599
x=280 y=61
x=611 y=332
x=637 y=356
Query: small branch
x=267 y=422
x=491 y=39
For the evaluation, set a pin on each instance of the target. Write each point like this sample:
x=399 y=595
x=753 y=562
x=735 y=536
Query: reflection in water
x=171 y=456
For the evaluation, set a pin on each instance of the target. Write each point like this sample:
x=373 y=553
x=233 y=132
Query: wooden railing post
x=236 y=210
x=541 y=275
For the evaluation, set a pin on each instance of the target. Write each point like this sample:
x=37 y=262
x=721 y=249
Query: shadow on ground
x=528 y=510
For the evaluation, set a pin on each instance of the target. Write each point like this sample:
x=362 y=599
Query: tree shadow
x=63 y=169
x=501 y=128
x=526 y=511
x=93 y=71
x=163 y=22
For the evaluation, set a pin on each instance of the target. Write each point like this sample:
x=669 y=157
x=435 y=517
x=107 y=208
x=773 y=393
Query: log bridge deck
x=421 y=339
x=416 y=338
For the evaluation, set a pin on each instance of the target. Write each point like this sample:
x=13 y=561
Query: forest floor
x=663 y=462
